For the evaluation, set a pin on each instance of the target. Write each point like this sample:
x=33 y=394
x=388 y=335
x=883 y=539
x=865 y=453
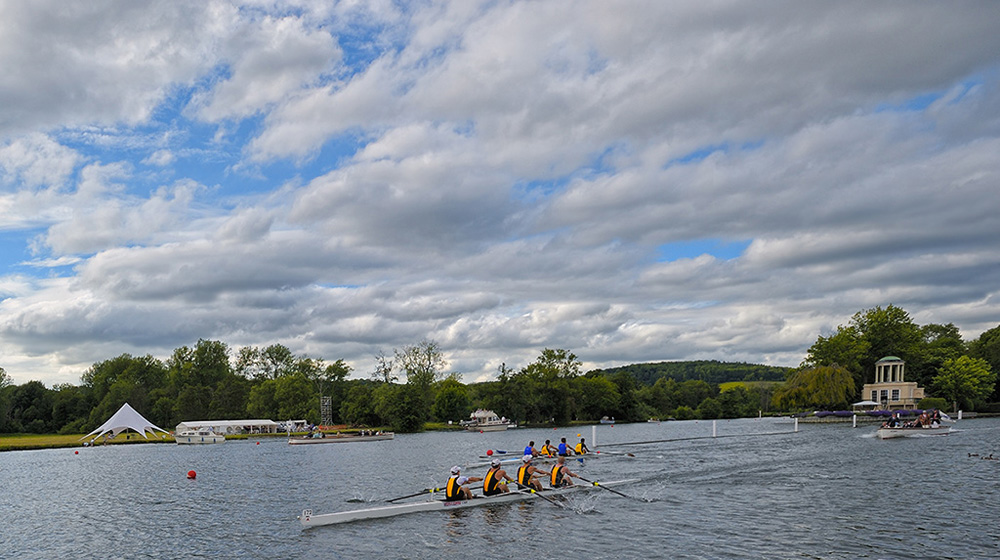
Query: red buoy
x=192 y=474
x=489 y=452
x=76 y=453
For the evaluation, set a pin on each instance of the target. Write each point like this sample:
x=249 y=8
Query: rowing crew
x=494 y=482
x=561 y=450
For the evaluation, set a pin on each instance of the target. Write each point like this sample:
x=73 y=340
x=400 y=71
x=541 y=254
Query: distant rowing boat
x=309 y=520
x=545 y=459
x=340 y=438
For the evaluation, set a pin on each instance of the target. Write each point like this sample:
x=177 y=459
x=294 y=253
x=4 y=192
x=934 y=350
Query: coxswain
x=561 y=474
x=456 y=488
x=493 y=482
x=564 y=450
x=530 y=449
x=526 y=474
x=581 y=448
x=548 y=449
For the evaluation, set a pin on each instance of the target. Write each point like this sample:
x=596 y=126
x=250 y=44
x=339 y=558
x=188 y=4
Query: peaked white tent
x=126 y=419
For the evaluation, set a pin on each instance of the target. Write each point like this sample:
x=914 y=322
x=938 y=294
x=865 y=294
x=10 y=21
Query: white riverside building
x=889 y=388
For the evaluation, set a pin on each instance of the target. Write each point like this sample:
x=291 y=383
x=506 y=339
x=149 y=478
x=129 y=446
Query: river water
x=757 y=491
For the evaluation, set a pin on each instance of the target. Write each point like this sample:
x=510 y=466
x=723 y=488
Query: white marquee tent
x=126 y=419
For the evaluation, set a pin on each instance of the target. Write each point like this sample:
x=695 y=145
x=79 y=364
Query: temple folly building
x=889 y=389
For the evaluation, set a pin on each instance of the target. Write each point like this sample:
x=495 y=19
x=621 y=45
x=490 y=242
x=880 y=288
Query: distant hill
x=710 y=371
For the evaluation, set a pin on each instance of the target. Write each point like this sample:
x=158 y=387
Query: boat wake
x=361 y=499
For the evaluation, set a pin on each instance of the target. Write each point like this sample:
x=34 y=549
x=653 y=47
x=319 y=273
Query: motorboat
x=204 y=435
x=485 y=421
x=915 y=431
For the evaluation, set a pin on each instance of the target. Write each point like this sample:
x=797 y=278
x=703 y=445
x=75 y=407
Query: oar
x=424 y=491
x=597 y=484
x=531 y=490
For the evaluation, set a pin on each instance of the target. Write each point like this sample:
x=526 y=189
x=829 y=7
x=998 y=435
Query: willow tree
x=823 y=387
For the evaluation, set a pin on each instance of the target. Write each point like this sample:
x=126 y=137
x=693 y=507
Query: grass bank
x=16 y=442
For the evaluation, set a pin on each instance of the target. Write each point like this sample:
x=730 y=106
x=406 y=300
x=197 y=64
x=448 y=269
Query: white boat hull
x=307 y=519
x=890 y=433
x=199 y=439
x=340 y=439
x=487 y=428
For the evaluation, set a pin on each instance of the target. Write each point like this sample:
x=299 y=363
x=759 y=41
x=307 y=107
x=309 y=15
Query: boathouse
x=889 y=388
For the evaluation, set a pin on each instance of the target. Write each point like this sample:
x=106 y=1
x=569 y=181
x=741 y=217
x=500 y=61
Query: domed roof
x=889 y=359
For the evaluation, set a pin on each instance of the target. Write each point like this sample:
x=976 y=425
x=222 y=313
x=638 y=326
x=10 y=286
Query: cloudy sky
x=631 y=181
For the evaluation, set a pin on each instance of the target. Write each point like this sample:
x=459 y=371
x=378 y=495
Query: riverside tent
x=126 y=419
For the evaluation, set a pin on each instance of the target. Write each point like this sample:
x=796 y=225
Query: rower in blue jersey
x=530 y=449
x=564 y=450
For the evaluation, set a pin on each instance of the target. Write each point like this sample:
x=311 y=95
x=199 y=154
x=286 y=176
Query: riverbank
x=24 y=442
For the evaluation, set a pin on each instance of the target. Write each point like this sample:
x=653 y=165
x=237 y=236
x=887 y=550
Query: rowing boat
x=543 y=459
x=309 y=520
x=340 y=438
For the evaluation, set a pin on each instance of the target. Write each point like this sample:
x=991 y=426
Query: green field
x=14 y=442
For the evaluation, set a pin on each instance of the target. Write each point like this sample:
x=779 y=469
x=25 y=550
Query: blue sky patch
x=718 y=248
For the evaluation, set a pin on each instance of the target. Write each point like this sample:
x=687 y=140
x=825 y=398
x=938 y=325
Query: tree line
x=410 y=386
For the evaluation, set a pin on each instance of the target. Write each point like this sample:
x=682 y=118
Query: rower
x=456 y=488
x=526 y=474
x=581 y=448
x=530 y=449
x=564 y=450
x=493 y=481
x=561 y=474
x=548 y=449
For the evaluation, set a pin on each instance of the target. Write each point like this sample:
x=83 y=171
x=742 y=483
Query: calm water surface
x=828 y=491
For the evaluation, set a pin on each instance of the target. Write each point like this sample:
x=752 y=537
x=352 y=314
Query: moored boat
x=485 y=421
x=340 y=438
x=198 y=437
x=308 y=519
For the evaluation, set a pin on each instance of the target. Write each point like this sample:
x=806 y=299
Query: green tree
x=965 y=380
x=709 y=409
x=549 y=378
x=692 y=392
x=31 y=408
x=628 y=403
x=261 y=402
x=126 y=378
x=987 y=347
x=938 y=344
x=451 y=401
x=736 y=402
x=261 y=364
x=684 y=413
x=70 y=408
x=358 y=407
x=296 y=398
x=823 y=387
x=871 y=335
x=229 y=399
x=598 y=397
